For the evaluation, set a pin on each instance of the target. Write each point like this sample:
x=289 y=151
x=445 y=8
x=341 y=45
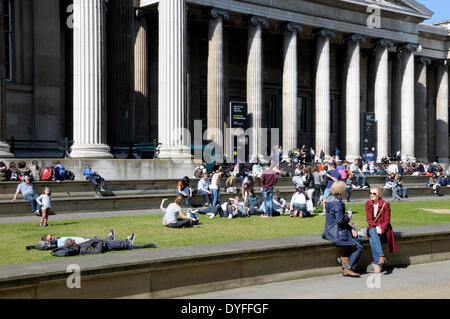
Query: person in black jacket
x=339 y=231
x=99 y=245
x=310 y=185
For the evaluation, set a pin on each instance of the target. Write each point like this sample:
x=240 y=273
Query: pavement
x=424 y=281
x=85 y=215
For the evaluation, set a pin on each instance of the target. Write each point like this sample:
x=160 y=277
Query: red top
x=268 y=179
x=384 y=221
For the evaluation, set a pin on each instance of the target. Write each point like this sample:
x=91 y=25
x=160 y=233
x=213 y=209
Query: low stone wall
x=172 y=272
x=124 y=169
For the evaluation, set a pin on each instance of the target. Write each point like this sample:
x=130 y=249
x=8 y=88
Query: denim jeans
x=216 y=196
x=267 y=195
x=207 y=196
x=32 y=200
x=358 y=176
x=354 y=252
x=402 y=191
x=375 y=244
x=186 y=192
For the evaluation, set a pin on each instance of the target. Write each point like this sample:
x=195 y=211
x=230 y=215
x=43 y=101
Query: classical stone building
x=108 y=73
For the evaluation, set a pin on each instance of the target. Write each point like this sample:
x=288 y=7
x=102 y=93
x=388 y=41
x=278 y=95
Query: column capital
x=411 y=47
x=441 y=62
x=291 y=26
x=214 y=13
x=355 y=37
x=255 y=20
x=423 y=60
x=324 y=33
x=382 y=43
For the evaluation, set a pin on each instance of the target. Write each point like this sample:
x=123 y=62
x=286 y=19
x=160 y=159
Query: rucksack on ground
x=64 y=252
x=47 y=174
x=70 y=175
x=60 y=171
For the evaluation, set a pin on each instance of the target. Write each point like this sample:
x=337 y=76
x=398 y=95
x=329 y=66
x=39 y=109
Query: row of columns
x=89 y=85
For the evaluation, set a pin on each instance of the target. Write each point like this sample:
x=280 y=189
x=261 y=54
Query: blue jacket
x=337 y=228
x=88 y=173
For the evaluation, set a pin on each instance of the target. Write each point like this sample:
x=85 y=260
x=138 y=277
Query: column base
x=5 y=150
x=90 y=151
x=351 y=158
x=406 y=158
x=174 y=152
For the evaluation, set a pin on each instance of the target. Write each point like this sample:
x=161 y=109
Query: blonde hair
x=378 y=188
x=338 y=188
x=178 y=200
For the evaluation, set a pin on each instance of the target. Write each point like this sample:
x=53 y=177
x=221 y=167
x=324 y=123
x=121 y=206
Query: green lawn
x=14 y=237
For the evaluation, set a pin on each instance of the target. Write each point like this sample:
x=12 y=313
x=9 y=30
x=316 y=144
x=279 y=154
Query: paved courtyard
x=418 y=281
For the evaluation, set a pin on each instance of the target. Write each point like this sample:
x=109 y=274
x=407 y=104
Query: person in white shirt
x=393 y=168
x=298 y=203
x=203 y=189
x=174 y=217
x=46 y=203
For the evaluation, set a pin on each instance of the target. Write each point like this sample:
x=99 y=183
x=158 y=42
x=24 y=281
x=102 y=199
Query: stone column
x=420 y=98
x=216 y=85
x=407 y=104
x=172 y=80
x=352 y=96
x=4 y=147
x=290 y=84
x=381 y=96
x=322 y=91
x=255 y=82
x=396 y=102
x=442 y=112
x=89 y=90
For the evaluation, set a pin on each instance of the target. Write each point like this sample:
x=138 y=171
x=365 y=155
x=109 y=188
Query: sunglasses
x=371 y=193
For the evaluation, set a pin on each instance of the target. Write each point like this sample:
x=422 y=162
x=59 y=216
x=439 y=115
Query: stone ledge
x=178 y=271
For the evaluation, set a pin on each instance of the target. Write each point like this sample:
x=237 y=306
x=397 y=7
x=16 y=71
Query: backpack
x=45 y=245
x=70 y=175
x=60 y=171
x=64 y=252
x=47 y=174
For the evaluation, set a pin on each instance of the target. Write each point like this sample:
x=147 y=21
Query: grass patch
x=148 y=228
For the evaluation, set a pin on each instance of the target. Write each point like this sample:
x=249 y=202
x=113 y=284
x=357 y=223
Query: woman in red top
x=378 y=214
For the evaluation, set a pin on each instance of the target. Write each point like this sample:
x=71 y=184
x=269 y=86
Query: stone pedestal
x=322 y=91
x=290 y=84
x=442 y=112
x=172 y=117
x=352 y=96
x=89 y=81
x=420 y=98
x=381 y=96
x=255 y=83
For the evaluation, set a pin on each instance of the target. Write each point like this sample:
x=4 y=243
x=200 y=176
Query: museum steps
x=77 y=196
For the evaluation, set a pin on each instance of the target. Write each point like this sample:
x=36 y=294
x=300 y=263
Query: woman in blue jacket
x=338 y=230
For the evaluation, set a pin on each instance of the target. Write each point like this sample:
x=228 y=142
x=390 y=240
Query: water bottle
x=349 y=212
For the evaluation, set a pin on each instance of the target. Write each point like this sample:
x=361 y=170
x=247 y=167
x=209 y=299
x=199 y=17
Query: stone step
x=141 y=187
x=153 y=201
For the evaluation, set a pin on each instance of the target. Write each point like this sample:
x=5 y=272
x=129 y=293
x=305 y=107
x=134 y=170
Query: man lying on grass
x=59 y=241
x=99 y=245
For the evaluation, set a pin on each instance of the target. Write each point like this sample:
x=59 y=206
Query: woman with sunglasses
x=378 y=214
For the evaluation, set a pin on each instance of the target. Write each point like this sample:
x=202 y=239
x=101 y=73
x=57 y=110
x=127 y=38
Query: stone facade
x=306 y=67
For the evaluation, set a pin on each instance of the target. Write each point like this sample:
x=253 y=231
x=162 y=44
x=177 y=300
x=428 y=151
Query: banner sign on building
x=369 y=136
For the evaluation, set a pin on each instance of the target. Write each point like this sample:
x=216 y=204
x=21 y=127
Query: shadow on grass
x=63 y=224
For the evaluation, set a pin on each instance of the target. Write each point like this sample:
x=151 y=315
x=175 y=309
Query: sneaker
x=102 y=189
x=211 y=215
x=111 y=234
x=265 y=216
x=131 y=238
x=96 y=195
x=152 y=245
x=46 y=225
x=365 y=187
x=323 y=213
x=38 y=213
x=230 y=216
